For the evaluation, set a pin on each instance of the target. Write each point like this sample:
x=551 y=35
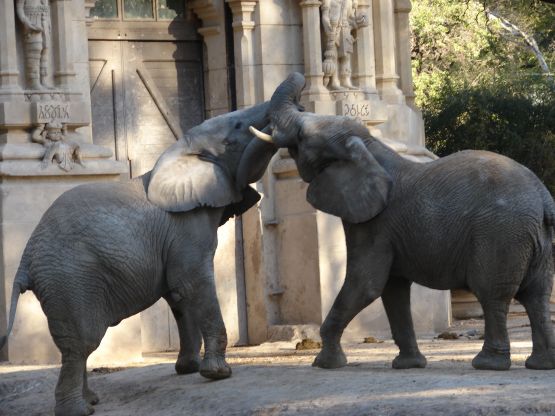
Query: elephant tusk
x=262 y=136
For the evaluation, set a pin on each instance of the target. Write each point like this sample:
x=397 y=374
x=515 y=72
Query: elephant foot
x=409 y=360
x=489 y=360
x=214 y=368
x=541 y=361
x=74 y=408
x=90 y=396
x=330 y=359
x=187 y=364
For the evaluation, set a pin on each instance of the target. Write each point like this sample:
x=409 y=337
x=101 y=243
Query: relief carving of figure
x=57 y=147
x=35 y=18
x=339 y=20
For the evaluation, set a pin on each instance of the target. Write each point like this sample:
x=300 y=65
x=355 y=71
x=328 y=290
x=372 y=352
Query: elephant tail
x=20 y=284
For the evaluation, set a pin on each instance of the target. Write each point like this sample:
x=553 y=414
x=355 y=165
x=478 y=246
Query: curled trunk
x=284 y=109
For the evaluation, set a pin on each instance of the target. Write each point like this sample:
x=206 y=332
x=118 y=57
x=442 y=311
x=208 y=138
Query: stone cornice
x=205 y=9
x=310 y=3
x=402 y=6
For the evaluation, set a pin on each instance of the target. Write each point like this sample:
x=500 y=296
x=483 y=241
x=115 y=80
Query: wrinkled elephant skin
x=103 y=252
x=474 y=220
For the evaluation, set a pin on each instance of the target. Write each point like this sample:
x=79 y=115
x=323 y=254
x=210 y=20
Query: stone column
x=312 y=43
x=8 y=54
x=384 y=31
x=366 y=69
x=64 y=72
x=213 y=33
x=404 y=67
x=243 y=27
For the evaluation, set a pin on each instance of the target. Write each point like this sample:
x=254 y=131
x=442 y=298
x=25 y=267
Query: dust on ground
x=276 y=379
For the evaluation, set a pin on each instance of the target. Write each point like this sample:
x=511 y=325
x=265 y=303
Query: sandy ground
x=275 y=379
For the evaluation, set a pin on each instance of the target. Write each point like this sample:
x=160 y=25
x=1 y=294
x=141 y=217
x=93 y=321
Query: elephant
x=105 y=251
x=472 y=220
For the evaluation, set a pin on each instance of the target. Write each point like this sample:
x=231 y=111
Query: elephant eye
x=238 y=125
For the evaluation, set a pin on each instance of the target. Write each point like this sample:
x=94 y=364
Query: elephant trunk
x=284 y=110
x=253 y=162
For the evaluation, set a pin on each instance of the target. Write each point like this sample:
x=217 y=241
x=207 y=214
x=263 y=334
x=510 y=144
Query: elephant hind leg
x=495 y=275
x=396 y=302
x=73 y=396
x=496 y=351
x=535 y=296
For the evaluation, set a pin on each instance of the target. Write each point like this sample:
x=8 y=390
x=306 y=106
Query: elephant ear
x=355 y=189
x=250 y=198
x=183 y=180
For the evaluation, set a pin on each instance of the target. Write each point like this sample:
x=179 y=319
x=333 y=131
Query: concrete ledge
x=18 y=151
x=36 y=168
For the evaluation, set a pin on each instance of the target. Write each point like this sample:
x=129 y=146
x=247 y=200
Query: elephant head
x=332 y=154
x=212 y=165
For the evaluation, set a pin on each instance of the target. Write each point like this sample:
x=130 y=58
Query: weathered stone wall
x=279 y=267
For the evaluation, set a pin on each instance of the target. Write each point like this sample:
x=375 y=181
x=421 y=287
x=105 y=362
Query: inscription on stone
x=49 y=112
x=356 y=110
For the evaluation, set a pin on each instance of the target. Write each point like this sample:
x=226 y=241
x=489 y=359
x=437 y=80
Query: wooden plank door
x=163 y=97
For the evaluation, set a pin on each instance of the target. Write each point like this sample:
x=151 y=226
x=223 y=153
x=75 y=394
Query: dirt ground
x=275 y=379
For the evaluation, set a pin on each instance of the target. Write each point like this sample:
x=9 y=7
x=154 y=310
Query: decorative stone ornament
x=53 y=136
x=34 y=16
x=339 y=20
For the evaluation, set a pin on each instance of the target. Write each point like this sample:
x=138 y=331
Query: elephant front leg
x=190 y=339
x=363 y=285
x=396 y=301
x=209 y=319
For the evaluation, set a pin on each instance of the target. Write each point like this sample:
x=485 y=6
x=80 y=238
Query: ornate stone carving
x=339 y=20
x=35 y=18
x=53 y=136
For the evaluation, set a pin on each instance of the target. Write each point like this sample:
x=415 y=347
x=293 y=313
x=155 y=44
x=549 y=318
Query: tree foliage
x=480 y=82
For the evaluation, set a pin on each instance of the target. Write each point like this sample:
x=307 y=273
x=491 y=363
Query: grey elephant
x=475 y=220
x=103 y=252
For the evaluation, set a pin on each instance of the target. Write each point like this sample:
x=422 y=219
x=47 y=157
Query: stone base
x=26 y=191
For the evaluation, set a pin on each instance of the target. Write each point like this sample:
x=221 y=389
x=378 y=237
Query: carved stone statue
x=57 y=148
x=35 y=18
x=339 y=19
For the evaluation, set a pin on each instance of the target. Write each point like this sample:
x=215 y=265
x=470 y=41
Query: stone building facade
x=96 y=90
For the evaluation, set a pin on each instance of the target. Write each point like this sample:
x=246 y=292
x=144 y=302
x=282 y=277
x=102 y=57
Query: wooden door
x=163 y=97
x=144 y=95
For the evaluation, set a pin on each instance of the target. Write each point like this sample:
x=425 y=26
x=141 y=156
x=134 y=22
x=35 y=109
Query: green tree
x=482 y=74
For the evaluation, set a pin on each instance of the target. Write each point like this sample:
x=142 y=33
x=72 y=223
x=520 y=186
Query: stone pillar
x=64 y=72
x=386 y=70
x=215 y=76
x=404 y=67
x=243 y=26
x=312 y=44
x=365 y=75
x=8 y=56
